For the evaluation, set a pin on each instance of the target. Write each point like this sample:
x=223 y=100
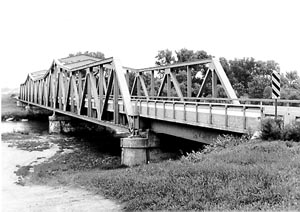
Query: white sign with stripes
x=275 y=85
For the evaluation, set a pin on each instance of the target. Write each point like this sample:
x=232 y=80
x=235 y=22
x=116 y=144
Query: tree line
x=250 y=78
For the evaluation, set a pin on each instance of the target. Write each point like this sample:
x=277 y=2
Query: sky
x=34 y=32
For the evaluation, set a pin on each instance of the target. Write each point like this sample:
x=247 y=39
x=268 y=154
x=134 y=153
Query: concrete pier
x=60 y=124
x=137 y=150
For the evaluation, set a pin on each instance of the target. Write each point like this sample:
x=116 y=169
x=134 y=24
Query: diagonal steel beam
x=176 y=85
x=162 y=85
x=224 y=80
x=208 y=73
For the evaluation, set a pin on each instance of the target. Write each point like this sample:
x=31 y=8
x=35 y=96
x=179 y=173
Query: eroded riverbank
x=22 y=151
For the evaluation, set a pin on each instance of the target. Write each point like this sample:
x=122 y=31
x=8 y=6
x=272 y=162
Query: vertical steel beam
x=94 y=93
x=72 y=93
x=168 y=85
x=116 y=99
x=189 y=81
x=138 y=85
x=68 y=97
x=226 y=116
x=79 y=83
x=75 y=91
x=48 y=89
x=101 y=88
x=152 y=83
x=60 y=90
x=89 y=94
x=214 y=83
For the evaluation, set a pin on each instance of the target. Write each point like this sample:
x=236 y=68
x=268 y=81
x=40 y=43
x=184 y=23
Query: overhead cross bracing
x=106 y=93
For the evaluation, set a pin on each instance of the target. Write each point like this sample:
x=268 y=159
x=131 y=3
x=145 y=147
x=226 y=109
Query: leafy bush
x=291 y=132
x=271 y=129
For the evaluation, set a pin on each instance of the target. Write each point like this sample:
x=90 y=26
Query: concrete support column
x=137 y=150
x=60 y=124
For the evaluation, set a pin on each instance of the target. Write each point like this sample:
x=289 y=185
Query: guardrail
x=280 y=102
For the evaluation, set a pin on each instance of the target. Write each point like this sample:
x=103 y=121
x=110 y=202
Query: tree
x=242 y=70
x=267 y=94
x=164 y=57
x=257 y=86
x=249 y=76
x=290 y=86
x=293 y=79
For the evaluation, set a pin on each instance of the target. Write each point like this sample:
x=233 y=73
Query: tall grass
x=242 y=176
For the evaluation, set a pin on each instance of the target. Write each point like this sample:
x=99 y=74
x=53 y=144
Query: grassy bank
x=9 y=109
x=231 y=175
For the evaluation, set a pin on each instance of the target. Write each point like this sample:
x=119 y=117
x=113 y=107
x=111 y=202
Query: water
x=24 y=126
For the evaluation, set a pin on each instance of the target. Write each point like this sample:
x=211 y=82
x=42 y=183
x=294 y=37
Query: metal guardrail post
x=244 y=117
x=174 y=109
x=226 y=116
x=164 y=108
x=155 y=110
x=184 y=112
x=147 y=102
x=210 y=114
x=197 y=115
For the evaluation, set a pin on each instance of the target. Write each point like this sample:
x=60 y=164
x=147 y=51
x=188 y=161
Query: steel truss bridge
x=98 y=91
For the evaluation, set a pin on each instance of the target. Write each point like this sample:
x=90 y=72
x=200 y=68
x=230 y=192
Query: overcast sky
x=34 y=32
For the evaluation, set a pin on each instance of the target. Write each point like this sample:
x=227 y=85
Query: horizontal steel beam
x=176 y=65
x=90 y=65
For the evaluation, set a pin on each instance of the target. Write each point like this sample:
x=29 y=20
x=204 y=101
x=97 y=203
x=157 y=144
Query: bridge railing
x=229 y=117
x=262 y=102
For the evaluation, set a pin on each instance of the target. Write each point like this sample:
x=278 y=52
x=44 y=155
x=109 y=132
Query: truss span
x=106 y=93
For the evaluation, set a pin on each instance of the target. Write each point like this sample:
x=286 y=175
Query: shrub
x=291 y=132
x=271 y=129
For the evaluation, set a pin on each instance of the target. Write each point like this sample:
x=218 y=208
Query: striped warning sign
x=275 y=85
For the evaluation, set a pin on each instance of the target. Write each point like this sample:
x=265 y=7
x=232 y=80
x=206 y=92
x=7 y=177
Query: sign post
x=276 y=89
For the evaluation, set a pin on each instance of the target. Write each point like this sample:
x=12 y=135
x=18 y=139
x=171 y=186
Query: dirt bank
x=16 y=197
